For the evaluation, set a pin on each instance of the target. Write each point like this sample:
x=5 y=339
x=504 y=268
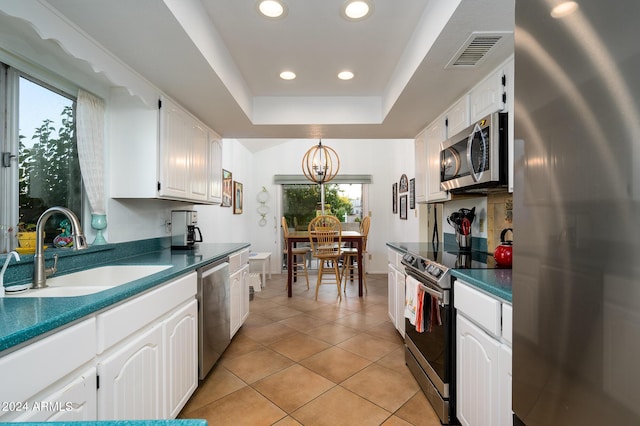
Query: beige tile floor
x=297 y=361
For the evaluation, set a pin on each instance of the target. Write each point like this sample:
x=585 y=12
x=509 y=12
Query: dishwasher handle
x=211 y=269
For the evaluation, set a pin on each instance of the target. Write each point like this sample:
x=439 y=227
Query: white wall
x=386 y=160
x=219 y=224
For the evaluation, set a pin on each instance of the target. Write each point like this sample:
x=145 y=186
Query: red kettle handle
x=502 y=235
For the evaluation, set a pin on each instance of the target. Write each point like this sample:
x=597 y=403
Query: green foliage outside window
x=49 y=172
x=302 y=201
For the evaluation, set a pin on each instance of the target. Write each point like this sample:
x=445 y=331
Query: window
x=300 y=202
x=40 y=166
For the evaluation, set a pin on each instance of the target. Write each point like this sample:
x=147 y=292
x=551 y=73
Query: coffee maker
x=184 y=232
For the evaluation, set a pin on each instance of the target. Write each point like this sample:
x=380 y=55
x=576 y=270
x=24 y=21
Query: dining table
x=355 y=238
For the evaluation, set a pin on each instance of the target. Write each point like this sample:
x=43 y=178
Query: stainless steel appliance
x=576 y=279
x=214 y=316
x=430 y=354
x=184 y=232
x=476 y=157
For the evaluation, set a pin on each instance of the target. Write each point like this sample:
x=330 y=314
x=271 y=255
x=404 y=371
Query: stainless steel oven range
x=430 y=354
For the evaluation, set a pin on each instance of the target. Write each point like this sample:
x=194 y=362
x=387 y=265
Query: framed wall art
x=404 y=184
x=412 y=193
x=237 y=198
x=227 y=189
x=394 y=197
x=403 y=207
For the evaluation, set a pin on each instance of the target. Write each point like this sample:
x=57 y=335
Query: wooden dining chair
x=298 y=254
x=350 y=255
x=325 y=237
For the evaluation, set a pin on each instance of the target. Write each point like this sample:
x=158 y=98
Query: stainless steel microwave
x=476 y=157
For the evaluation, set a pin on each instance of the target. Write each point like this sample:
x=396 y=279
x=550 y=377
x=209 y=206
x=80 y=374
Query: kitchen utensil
x=504 y=252
x=468 y=213
x=454 y=220
x=465 y=226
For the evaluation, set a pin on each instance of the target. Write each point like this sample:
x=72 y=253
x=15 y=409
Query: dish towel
x=422 y=310
x=411 y=299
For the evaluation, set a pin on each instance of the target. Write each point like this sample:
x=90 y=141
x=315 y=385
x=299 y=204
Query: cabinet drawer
x=394 y=257
x=238 y=259
x=507 y=323
x=33 y=368
x=121 y=321
x=482 y=309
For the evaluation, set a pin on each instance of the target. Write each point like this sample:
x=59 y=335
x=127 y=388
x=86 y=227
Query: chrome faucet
x=40 y=273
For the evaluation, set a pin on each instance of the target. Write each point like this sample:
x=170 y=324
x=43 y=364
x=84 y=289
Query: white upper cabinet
x=214 y=191
x=421 y=167
x=165 y=153
x=488 y=96
x=427 y=168
x=184 y=155
x=435 y=136
x=175 y=151
x=457 y=117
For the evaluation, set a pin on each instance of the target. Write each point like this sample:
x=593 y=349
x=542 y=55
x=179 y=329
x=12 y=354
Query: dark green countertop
x=22 y=319
x=494 y=281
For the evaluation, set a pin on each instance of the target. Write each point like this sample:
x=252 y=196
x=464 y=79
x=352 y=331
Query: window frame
x=11 y=70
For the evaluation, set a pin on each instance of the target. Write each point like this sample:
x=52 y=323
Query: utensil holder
x=464 y=241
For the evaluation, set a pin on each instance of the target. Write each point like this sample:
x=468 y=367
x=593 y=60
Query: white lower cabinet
x=395 y=289
x=239 y=285
x=131 y=378
x=153 y=375
x=477 y=375
x=505 y=378
x=483 y=358
x=137 y=360
x=181 y=357
x=149 y=371
x=52 y=370
x=72 y=401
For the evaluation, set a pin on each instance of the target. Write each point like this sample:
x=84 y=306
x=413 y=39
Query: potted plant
x=26 y=235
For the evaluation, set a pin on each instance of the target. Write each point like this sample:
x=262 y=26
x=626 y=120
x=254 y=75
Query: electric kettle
x=504 y=252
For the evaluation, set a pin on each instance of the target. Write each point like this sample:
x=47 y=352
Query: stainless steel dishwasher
x=214 y=330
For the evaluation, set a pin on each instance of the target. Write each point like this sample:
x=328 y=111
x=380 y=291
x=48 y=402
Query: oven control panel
x=426 y=268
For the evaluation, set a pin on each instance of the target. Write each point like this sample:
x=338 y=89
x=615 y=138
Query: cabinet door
x=477 y=375
x=75 y=401
x=506 y=382
x=245 y=294
x=435 y=136
x=458 y=116
x=199 y=158
x=487 y=96
x=175 y=151
x=214 y=194
x=131 y=378
x=421 y=168
x=236 y=292
x=391 y=290
x=400 y=301
x=181 y=357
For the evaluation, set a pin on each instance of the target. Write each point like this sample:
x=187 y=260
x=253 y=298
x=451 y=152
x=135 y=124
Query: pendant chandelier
x=320 y=164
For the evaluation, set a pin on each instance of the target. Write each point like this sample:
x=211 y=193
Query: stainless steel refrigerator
x=576 y=267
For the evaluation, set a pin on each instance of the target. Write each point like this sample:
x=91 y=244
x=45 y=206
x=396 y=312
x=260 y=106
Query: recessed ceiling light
x=271 y=8
x=287 y=75
x=345 y=75
x=356 y=10
x=564 y=9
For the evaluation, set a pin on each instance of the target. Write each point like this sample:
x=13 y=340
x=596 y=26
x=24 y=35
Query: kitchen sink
x=91 y=281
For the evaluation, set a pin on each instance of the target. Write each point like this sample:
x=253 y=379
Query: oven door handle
x=437 y=294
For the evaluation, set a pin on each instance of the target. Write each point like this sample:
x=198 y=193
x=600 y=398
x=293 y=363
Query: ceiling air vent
x=474 y=50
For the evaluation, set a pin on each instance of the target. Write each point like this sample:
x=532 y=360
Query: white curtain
x=90 y=127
